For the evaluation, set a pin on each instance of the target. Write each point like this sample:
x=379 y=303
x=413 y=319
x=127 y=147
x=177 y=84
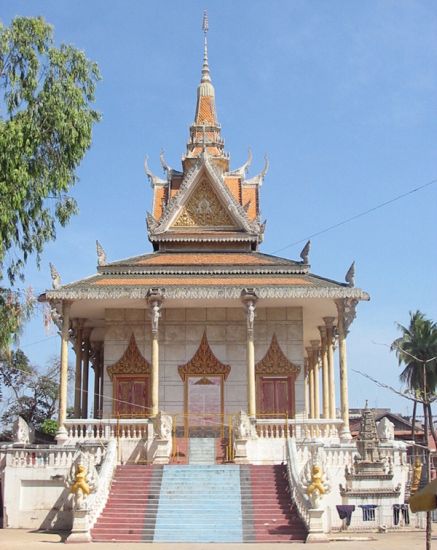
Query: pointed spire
x=205 y=138
x=205 y=68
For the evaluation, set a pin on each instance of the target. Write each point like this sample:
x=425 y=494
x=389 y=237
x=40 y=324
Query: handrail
x=300 y=498
x=97 y=500
x=107 y=428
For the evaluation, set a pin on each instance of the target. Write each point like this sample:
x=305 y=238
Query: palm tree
x=416 y=350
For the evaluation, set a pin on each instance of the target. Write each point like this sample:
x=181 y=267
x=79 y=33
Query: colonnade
x=319 y=371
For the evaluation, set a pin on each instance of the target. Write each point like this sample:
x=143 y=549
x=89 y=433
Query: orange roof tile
x=205 y=111
x=202 y=281
x=230 y=258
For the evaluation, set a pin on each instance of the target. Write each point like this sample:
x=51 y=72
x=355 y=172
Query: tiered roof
x=205 y=229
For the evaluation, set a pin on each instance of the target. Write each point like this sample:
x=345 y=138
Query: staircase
x=130 y=511
x=274 y=518
x=199 y=503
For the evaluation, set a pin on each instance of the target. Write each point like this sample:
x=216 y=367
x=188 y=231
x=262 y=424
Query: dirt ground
x=21 y=539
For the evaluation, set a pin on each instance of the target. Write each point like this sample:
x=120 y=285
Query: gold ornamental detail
x=275 y=362
x=131 y=362
x=204 y=363
x=203 y=209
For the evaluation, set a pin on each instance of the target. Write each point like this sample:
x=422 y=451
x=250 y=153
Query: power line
x=359 y=215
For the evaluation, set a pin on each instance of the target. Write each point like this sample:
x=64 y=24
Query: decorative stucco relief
x=204 y=362
x=131 y=362
x=275 y=362
x=203 y=209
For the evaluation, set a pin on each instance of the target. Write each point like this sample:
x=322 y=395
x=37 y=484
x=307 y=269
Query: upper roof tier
x=206 y=206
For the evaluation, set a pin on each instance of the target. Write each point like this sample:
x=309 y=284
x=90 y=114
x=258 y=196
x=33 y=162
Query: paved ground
x=20 y=539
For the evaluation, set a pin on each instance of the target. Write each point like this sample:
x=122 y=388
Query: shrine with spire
x=206 y=325
x=208 y=352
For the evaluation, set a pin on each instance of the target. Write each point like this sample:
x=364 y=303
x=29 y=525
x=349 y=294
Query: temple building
x=206 y=324
x=211 y=382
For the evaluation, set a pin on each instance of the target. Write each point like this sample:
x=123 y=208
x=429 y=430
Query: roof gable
x=202 y=192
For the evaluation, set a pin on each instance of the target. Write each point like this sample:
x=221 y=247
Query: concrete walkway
x=20 y=539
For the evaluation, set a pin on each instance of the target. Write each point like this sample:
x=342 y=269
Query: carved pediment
x=204 y=363
x=275 y=362
x=203 y=209
x=131 y=362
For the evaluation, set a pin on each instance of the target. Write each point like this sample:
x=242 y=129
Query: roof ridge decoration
x=131 y=362
x=154 y=180
x=259 y=178
x=204 y=362
x=276 y=362
x=242 y=170
x=188 y=186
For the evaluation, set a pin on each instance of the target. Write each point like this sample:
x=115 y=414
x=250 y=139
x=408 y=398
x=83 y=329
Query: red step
x=271 y=501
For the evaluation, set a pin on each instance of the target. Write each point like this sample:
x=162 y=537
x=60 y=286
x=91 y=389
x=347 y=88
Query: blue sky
x=340 y=94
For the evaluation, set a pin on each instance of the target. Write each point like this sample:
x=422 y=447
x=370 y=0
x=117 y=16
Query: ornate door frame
x=203 y=364
x=131 y=365
x=275 y=364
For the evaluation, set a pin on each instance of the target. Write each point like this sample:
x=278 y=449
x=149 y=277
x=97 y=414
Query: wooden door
x=131 y=397
x=275 y=396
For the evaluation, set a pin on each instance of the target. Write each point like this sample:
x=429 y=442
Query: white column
x=78 y=371
x=85 y=372
x=306 y=388
x=63 y=375
x=154 y=299
x=330 y=336
x=346 y=312
x=316 y=355
x=325 y=373
x=310 y=363
x=249 y=299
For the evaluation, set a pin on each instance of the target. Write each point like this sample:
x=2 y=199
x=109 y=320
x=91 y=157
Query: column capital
x=155 y=297
x=323 y=334
x=249 y=299
x=329 y=322
x=346 y=308
x=315 y=346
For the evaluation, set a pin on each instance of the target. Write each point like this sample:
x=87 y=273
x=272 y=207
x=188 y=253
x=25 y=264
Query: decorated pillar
x=346 y=314
x=97 y=363
x=85 y=372
x=330 y=337
x=154 y=298
x=63 y=377
x=306 y=388
x=325 y=373
x=78 y=346
x=310 y=363
x=316 y=356
x=249 y=299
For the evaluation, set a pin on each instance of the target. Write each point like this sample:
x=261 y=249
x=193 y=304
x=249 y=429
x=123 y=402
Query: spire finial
x=205 y=25
x=205 y=69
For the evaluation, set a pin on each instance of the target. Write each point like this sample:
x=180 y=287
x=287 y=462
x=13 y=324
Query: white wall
x=180 y=333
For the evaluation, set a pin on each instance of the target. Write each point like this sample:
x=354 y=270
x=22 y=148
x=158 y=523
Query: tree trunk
x=431 y=424
x=413 y=425
x=427 y=471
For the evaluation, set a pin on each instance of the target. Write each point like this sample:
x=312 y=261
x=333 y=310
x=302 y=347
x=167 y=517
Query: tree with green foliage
x=46 y=121
x=416 y=350
x=29 y=392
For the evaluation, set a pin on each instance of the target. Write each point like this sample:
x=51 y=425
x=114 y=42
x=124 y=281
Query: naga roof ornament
x=305 y=252
x=242 y=170
x=259 y=178
x=350 y=275
x=154 y=180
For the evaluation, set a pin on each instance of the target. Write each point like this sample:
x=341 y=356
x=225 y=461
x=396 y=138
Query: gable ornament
x=131 y=362
x=275 y=362
x=204 y=362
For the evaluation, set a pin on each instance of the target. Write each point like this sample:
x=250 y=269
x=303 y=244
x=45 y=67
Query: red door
x=275 y=396
x=131 y=397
